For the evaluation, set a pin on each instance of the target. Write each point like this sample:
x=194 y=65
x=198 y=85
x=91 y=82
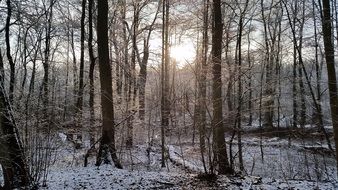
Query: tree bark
x=74 y=65
x=300 y=72
x=2 y=71
x=79 y=101
x=331 y=71
x=240 y=88
x=132 y=79
x=107 y=143
x=91 y=68
x=217 y=121
x=8 y=52
x=165 y=79
x=45 y=82
x=318 y=115
x=201 y=84
x=143 y=68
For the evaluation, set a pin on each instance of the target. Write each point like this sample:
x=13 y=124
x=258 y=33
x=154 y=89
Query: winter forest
x=168 y=94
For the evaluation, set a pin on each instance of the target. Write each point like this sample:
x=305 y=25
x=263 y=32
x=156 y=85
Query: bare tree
x=165 y=107
x=143 y=66
x=107 y=144
x=12 y=158
x=201 y=75
x=46 y=61
x=217 y=121
x=8 y=52
x=79 y=101
x=91 y=66
x=319 y=114
x=239 y=78
x=331 y=71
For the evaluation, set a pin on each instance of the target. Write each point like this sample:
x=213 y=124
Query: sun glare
x=183 y=54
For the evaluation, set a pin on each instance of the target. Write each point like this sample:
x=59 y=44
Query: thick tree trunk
x=118 y=61
x=14 y=167
x=107 y=143
x=217 y=121
x=331 y=70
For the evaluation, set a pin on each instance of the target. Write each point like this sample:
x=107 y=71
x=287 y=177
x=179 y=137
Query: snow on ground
x=107 y=177
x=284 y=167
x=143 y=171
x=281 y=159
x=178 y=158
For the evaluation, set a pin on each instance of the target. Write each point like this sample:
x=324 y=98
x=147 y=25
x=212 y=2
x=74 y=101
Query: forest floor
x=107 y=177
x=285 y=164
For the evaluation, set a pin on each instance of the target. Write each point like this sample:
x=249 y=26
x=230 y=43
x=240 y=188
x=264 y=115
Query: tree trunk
x=331 y=70
x=143 y=80
x=2 y=71
x=201 y=84
x=250 y=106
x=45 y=81
x=65 y=111
x=300 y=72
x=75 y=81
x=294 y=90
x=12 y=156
x=318 y=115
x=240 y=88
x=217 y=121
x=79 y=101
x=165 y=78
x=91 y=69
x=132 y=79
x=107 y=143
x=136 y=21
x=24 y=64
x=143 y=69
x=8 y=52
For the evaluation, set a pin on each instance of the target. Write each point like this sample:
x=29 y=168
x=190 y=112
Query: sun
x=183 y=53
